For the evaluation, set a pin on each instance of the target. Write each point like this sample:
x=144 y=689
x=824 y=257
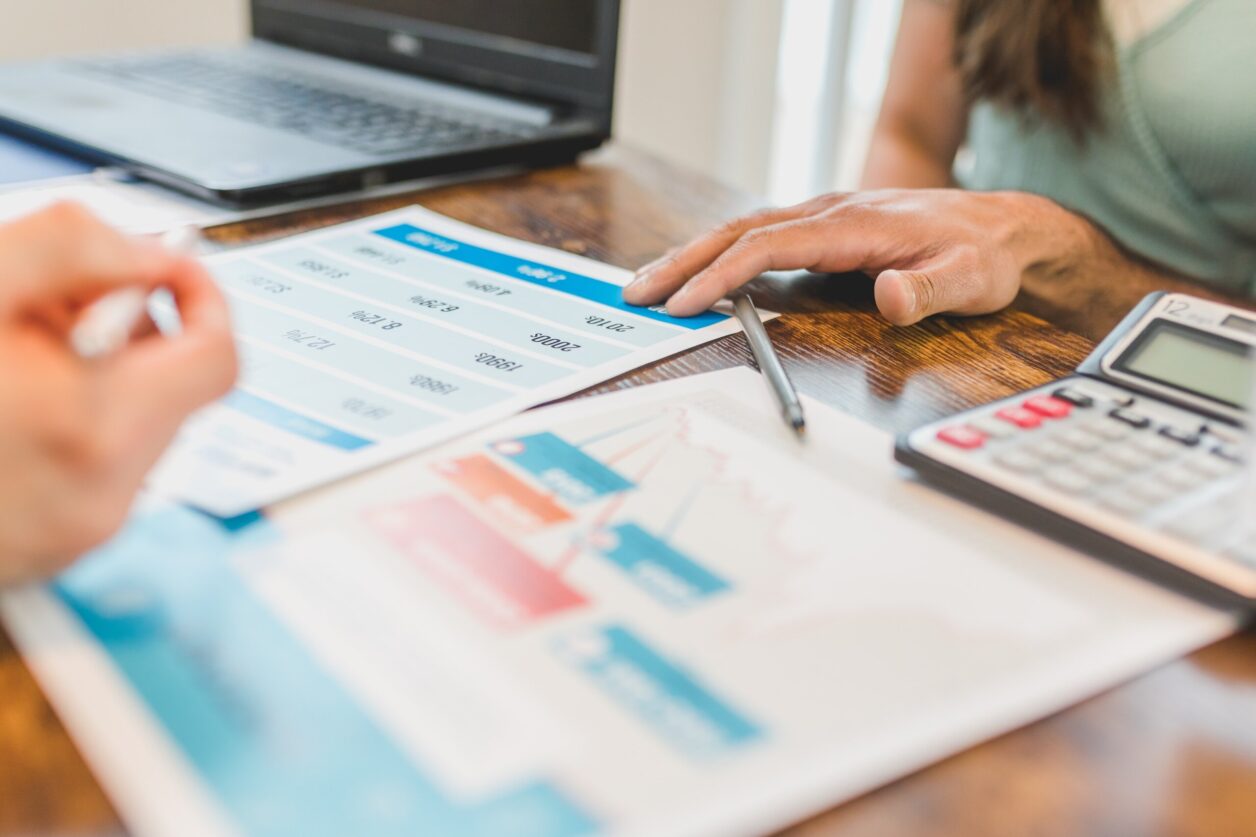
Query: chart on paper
x=369 y=340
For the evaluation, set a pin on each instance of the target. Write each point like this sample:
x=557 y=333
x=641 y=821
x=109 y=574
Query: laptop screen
x=558 y=50
x=561 y=29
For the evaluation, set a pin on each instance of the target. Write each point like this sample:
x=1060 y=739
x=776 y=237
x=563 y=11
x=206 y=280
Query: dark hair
x=1046 y=58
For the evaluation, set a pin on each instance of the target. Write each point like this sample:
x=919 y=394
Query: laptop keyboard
x=342 y=115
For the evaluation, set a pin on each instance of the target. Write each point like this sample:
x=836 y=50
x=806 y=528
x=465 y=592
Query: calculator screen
x=1193 y=361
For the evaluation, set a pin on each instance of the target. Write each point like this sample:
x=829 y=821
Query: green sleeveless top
x=1172 y=173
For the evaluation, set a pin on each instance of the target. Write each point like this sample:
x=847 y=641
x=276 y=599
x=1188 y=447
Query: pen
x=770 y=364
x=108 y=323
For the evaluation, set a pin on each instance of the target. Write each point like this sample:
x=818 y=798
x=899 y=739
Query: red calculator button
x=1046 y=405
x=1019 y=416
x=962 y=437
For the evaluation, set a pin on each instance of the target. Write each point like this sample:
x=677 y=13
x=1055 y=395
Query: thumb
x=946 y=286
x=905 y=297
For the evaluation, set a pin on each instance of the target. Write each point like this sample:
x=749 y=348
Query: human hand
x=932 y=251
x=78 y=436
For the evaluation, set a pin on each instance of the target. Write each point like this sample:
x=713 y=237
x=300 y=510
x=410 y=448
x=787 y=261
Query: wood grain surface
x=1173 y=752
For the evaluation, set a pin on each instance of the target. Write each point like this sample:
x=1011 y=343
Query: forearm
x=896 y=160
x=1084 y=280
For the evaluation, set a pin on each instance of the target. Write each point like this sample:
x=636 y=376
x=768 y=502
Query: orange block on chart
x=510 y=499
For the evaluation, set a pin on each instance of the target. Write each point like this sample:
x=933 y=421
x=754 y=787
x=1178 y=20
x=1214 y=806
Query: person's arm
x=77 y=436
x=923 y=115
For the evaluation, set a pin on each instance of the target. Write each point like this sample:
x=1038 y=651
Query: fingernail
x=909 y=291
x=678 y=300
x=641 y=280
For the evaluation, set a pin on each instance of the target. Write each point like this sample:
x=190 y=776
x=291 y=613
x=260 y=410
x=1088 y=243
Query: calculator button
x=1019 y=461
x=1079 y=439
x=1190 y=438
x=1074 y=397
x=1153 y=493
x=962 y=437
x=993 y=428
x=1179 y=477
x=1124 y=503
x=1049 y=407
x=1068 y=480
x=1051 y=451
x=1156 y=447
x=1136 y=420
x=1213 y=467
x=1229 y=453
x=1108 y=430
x=1019 y=416
x=1127 y=456
x=1099 y=471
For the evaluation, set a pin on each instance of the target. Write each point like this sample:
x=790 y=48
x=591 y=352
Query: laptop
x=336 y=95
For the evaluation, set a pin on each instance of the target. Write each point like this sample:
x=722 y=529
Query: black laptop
x=336 y=95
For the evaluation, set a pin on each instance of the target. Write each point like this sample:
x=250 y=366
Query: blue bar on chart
x=563 y=281
x=656 y=566
x=660 y=693
x=562 y=467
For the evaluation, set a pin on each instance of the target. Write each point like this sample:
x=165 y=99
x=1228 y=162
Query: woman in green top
x=1106 y=141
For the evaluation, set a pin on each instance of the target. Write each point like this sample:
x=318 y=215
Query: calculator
x=1140 y=457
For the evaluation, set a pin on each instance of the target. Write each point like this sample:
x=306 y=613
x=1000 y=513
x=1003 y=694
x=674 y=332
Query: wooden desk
x=1173 y=752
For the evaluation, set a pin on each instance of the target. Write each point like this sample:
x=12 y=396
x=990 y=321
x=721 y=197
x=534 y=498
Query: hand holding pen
x=78 y=434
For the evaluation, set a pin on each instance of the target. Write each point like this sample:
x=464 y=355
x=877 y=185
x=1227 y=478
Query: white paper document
x=648 y=613
x=374 y=339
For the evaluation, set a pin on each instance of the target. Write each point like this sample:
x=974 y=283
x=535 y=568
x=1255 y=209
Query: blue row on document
x=298 y=424
x=442 y=275
x=397 y=373
x=658 y=567
x=501 y=325
x=462 y=351
x=279 y=743
x=356 y=408
x=681 y=710
x=504 y=264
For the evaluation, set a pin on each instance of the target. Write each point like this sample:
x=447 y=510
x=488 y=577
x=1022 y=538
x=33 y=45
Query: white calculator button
x=1051 y=450
x=1230 y=453
x=1210 y=466
x=1022 y=462
x=994 y=428
x=1180 y=477
x=1080 y=439
x=1124 y=503
x=1068 y=480
x=1128 y=457
x=1099 y=471
x=1157 y=447
x=1108 y=429
x=1154 y=493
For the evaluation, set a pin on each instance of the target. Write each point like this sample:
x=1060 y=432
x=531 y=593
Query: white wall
x=35 y=28
x=696 y=83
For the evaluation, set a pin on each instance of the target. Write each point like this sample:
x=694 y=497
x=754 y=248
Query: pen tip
x=800 y=428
